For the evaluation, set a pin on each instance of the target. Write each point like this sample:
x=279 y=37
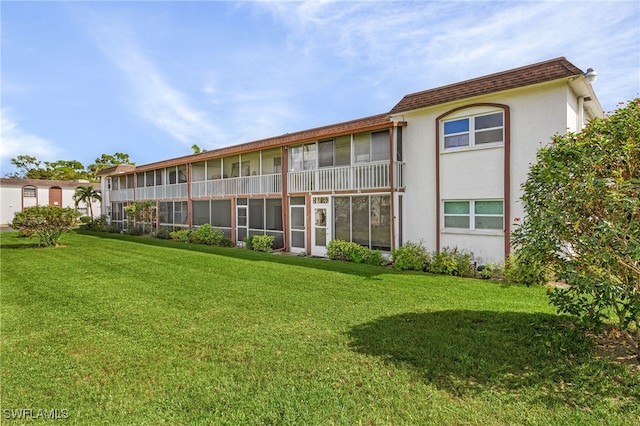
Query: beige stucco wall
x=536 y=113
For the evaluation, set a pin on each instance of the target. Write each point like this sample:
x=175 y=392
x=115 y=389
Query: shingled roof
x=541 y=72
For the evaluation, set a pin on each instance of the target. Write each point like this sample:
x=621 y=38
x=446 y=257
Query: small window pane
x=321 y=237
x=297 y=239
x=297 y=201
x=200 y=212
x=221 y=213
x=297 y=218
x=29 y=191
x=489 y=136
x=274 y=214
x=343 y=151
x=456 y=222
x=256 y=214
x=488 y=121
x=380 y=146
x=342 y=218
x=488 y=207
x=489 y=222
x=457 y=126
x=456 y=141
x=325 y=154
x=456 y=207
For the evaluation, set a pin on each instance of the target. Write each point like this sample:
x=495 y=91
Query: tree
x=30 y=167
x=87 y=194
x=24 y=164
x=143 y=212
x=45 y=223
x=105 y=161
x=196 y=149
x=582 y=203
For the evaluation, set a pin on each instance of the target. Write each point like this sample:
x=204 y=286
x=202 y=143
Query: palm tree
x=87 y=194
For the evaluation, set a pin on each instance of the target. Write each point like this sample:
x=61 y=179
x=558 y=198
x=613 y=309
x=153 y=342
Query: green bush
x=339 y=250
x=163 y=234
x=488 y=271
x=182 y=235
x=525 y=270
x=45 y=223
x=353 y=252
x=206 y=234
x=410 y=257
x=451 y=261
x=85 y=219
x=248 y=242
x=263 y=243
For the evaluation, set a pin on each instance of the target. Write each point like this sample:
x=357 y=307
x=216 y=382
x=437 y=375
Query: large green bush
x=410 y=257
x=45 y=223
x=452 y=261
x=262 y=243
x=353 y=252
x=582 y=204
x=206 y=234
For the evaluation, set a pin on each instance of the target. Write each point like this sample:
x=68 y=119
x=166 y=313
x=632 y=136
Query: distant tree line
x=29 y=167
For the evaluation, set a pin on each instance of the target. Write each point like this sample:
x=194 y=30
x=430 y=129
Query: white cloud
x=155 y=99
x=16 y=141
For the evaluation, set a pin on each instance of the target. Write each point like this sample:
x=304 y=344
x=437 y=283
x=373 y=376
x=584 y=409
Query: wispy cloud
x=154 y=99
x=426 y=44
x=16 y=141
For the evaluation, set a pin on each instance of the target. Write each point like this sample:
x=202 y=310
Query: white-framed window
x=474 y=130
x=474 y=215
x=29 y=191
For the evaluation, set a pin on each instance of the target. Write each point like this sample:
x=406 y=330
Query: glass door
x=321 y=232
x=298 y=215
x=241 y=224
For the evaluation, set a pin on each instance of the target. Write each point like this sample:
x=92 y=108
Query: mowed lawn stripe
x=131 y=330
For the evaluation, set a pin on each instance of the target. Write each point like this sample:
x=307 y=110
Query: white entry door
x=321 y=221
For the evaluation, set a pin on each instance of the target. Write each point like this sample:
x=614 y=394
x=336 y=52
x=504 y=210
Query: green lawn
x=129 y=330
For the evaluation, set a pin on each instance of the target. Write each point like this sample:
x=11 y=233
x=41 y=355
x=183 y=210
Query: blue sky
x=150 y=79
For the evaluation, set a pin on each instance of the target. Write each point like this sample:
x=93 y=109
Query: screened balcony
x=162 y=192
x=346 y=178
x=121 y=194
x=248 y=185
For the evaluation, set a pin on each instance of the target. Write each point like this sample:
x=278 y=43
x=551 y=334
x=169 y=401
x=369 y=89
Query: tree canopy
x=29 y=167
x=582 y=203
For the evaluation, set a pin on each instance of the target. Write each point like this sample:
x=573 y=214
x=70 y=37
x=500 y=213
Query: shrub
x=338 y=250
x=182 y=235
x=410 y=257
x=451 y=261
x=45 y=223
x=263 y=243
x=488 y=271
x=582 y=205
x=525 y=270
x=85 y=219
x=206 y=234
x=163 y=234
x=248 y=242
x=353 y=252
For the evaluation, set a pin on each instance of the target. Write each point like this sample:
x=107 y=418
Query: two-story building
x=443 y=166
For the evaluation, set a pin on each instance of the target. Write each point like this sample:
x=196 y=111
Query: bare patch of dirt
x=613 y=346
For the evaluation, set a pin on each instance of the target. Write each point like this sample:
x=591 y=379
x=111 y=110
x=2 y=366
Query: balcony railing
x=249 y=185
x=121 y=194
x=346 y=178
x=162 y=192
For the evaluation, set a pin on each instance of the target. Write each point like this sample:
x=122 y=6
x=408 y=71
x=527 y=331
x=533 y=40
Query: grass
x=129 y=330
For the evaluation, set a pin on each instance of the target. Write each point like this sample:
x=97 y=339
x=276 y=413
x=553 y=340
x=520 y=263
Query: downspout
x=580 y=115
x=392 y=186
